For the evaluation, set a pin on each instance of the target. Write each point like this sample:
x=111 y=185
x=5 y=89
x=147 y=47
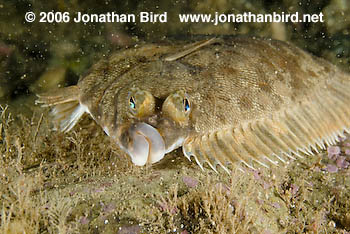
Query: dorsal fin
x=278 y=138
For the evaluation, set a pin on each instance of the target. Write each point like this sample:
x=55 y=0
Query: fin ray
x=66 y=109
x=317 y=121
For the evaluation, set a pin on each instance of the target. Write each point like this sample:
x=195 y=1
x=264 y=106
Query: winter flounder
x=248 y=101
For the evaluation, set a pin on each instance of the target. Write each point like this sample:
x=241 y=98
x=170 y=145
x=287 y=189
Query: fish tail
x=66 y=109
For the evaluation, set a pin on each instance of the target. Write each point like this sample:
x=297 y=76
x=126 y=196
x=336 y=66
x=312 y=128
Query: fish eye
x=186 y=105
x=132 y=103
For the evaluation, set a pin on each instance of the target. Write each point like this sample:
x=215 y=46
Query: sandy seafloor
x=80 y=182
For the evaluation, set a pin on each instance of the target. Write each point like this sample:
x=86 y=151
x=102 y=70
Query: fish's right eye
x=140 y=103
x=132 y=103
x=186 y=104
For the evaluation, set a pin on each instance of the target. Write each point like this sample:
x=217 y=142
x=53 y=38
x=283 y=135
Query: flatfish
x=246 y=101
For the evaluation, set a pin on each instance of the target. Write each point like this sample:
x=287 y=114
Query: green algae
x=80 y=182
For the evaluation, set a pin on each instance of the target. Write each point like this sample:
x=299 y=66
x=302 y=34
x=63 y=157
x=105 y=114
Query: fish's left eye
x=132 y=103
x=186 y=105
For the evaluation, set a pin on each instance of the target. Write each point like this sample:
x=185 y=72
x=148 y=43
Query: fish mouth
x=146 y=145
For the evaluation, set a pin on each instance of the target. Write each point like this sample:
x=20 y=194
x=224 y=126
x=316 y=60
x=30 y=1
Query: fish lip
x=147 y=144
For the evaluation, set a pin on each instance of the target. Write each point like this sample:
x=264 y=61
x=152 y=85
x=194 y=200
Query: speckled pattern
x=254 y=101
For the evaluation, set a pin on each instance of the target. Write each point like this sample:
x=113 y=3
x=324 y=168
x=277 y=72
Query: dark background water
x=36 y=57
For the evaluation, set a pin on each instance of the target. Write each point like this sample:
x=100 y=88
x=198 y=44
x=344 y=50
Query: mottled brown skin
x=229 y=83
